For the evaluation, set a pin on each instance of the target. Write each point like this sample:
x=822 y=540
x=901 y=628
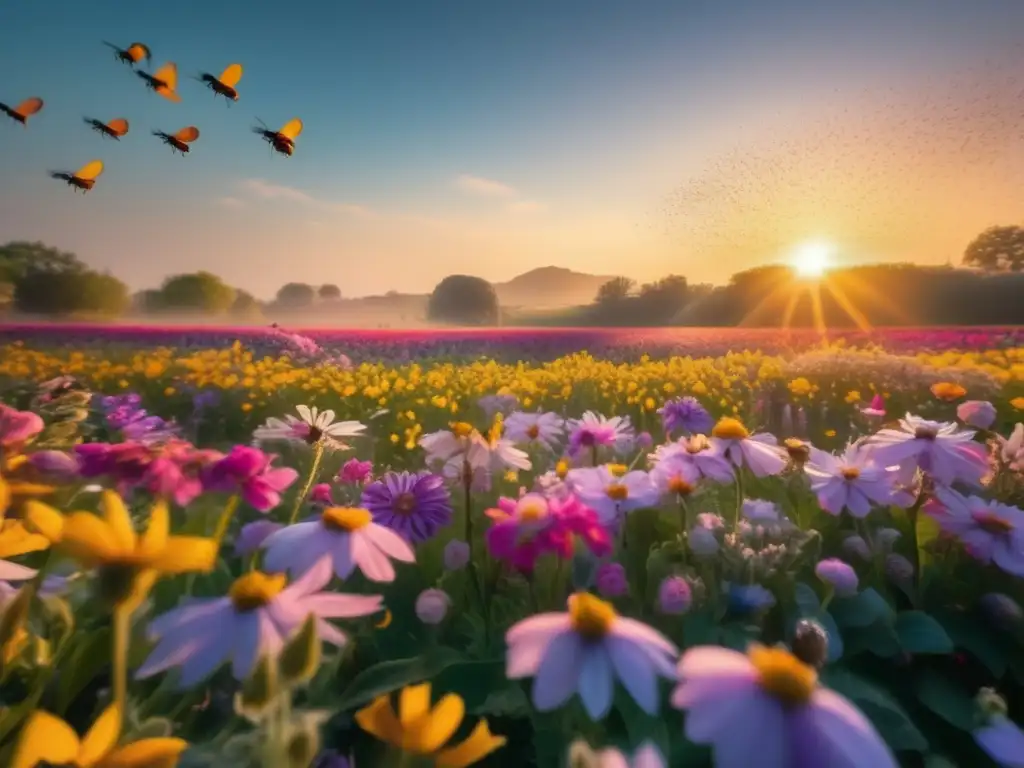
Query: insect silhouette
x=282 y=141
x=131 y=55
x=164 y=81
x=179 y=141
x=225 y=84
x=23 y=111
x=115 y=129
x=84 y=178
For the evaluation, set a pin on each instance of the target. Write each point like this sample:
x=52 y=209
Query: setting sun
x=812 y=260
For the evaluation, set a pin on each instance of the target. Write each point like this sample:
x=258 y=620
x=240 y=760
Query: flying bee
x=179 y=141
x=282 y=141
x=84 y=178
x=23 y=111
x=115 y=129
x=164 y=81
x=225 y=84
x=131 y=55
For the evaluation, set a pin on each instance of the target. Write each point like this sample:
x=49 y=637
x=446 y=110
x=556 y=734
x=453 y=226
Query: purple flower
x=348 y=536
x=456 y=555
x=57 y=464
x=432 y=606
x=942 y=450
x=644 y=441
x=253 y=535
x=989 y=531
x=685 y=414
x=766 y=708
x=592 y=430
x=1002 y=740
x=851 y=482
x=253 y=619
x=584 y=651
x=674 y=595
x=760 y=453
x=247 y=471
x=746 y=599
x=355 y=472
x=611 y=580
x=839 y=575
x=612 y=493
x=760 y=511
x=414 y=505
x=980 y=414
x=16 y=426
x=689 y=460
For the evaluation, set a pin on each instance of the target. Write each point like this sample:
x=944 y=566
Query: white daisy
x=313 y=427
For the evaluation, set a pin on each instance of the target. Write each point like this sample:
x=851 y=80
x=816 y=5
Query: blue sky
x=442 y=136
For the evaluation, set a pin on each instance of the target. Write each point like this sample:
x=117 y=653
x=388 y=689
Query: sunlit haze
x=488 y=138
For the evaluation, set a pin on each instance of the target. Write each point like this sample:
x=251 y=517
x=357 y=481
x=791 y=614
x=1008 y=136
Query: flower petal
x=101 y=737
x=116 y=516
x=45 y=738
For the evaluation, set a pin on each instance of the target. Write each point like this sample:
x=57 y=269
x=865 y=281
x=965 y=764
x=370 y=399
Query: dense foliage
x=465 y=300
x=531 y=547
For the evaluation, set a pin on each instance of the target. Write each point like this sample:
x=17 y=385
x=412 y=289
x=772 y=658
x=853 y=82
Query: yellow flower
x=1018 y=403
x=16 y=540
x=800 y=386
x=423 y=730
x=853 y=396
x=14 y=491
x=128 y=564
x=48 y=738
x=945 y=390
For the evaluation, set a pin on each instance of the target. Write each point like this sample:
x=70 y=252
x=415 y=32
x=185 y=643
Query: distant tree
x=148 y=300
x=17 y=258
x=615 y=290
x=245 y=305
x=464 y=299
x=6 y=296
x=196 y=291
x=67 y=292
x=296 y=295
x=997 y=249
x=329 y=292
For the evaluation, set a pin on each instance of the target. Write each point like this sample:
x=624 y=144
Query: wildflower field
x=251 y=547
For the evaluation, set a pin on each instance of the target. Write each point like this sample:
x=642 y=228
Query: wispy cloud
x=478 y=185
x=269 y=191
x=230 y=202
x=525 y=206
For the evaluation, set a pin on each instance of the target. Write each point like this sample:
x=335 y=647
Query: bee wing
x=187 y=135
x=291 y=129
x=29 y=107
x=138 y=51
x=89 y=171
x=168 y=74
x=231 y=75
x=118 y=125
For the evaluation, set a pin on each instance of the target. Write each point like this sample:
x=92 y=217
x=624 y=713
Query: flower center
x=591 y=616
x=531 y=509
x=850 y=473
x=345 y=518
x=533 y=432
x=617 y=470
x=992 y=523
x=461 y=428
x=256 y=589
x=783 y=675
x=728 y=428
x=680 y=486
x=797 y=450
x=314 y=435
x=404 y=503
x=617 y=491
x=587 y=438
x=562 y=469
x=925 y=433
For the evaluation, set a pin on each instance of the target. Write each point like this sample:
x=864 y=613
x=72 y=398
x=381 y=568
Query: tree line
x=36 y=279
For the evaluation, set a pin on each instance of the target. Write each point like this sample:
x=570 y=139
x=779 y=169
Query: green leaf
x=509 y=701
x=641 y=726
x=920 y=633
x=946 y=700
x=389 y=676
x=473 y=681
x=861 y=611
x=976 y=638
x=928 y=530
x=84 y=662
x=879 y=706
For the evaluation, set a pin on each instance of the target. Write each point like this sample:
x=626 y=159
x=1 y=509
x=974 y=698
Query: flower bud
x=991 y=703
x=56 y=463
x=855 y=546
x=432 y=606
x=300 y=657
x=839 y=575
x=810 y=643
x=702 y=541
x=456 y=555
x=259 y=691
x=302 y=747
x=674 y=595
x=898 y=568
x=611 y=580
x=979 y=414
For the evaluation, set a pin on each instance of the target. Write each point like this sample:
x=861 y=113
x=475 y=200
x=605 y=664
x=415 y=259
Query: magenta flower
x=674 y=595
x=16 y=427
x=254 y=619
x=766 y=709
x=989 y=531
x=321 y=493
x=876 y=410
x=414 y=505
x=584 y=651
x=355 y=472
x=247 y=471
x=942 y=450
x=534 y=525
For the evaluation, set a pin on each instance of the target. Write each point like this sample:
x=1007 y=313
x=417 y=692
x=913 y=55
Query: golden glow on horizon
x=813 y=259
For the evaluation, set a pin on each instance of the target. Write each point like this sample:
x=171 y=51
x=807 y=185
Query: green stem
x=467 y=531
x=684 y=513
x=915 y=555
x=122 y=631
x=314 y=469
x=739 y=499
x=225 y=520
